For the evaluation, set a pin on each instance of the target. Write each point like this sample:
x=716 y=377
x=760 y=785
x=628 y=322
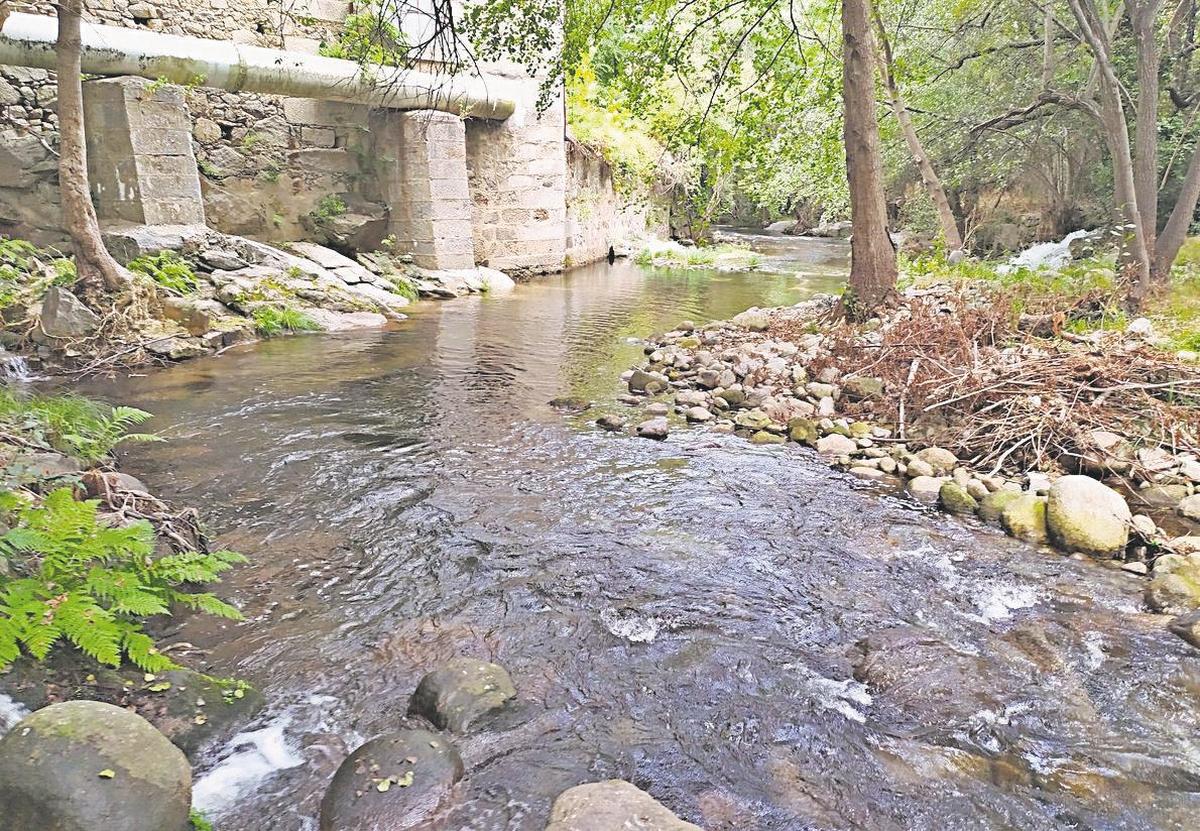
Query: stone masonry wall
x=279 y=169
x=598 y=217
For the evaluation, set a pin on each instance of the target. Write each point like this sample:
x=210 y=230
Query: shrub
x=274 y=320
x=331 y=205
x=168 y=270
x=366 y=38
x=92 y=585
x=72 y=424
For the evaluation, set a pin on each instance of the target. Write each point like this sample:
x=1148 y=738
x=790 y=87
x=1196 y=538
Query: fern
x=72 y=424
x=91 y=585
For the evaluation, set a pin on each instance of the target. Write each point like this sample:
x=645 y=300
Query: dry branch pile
x=962 y=375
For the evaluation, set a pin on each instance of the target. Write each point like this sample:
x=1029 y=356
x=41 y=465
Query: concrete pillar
x=140 y=159
x=423 y=161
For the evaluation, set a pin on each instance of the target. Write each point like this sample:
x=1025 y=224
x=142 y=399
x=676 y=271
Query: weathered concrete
x=140 y=157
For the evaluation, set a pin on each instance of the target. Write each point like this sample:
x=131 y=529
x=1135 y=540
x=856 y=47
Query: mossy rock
x=955 y=499
x=993 y=505
x=1174 y=586
x=85 y=765
x=763 y=437
x=1025 y=518
x=1087 y=516
x=803 y=430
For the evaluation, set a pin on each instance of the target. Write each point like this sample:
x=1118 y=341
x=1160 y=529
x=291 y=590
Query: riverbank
x=197 y=292
x=1084 y=442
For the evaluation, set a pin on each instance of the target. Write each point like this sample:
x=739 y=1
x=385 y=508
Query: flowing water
x=760 y=642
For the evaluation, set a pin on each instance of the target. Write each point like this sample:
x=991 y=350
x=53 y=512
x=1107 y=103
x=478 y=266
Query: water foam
x=249 y=758
x=1044 y=255
x=11 y=712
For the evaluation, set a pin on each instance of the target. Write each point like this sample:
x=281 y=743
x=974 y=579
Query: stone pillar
x=518 y=171
x=422 y=157
x=140 y=159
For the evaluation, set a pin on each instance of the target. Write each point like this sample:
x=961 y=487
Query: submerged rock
x=454 y=695
x=391 y=782
x=84 y=765
x=614 y=805
x=1086 y=516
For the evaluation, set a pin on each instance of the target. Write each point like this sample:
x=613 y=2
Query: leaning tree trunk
x=872 y=254
x=1174 y=233
x=929 y=176
x=94 y=263
x=1116 y=134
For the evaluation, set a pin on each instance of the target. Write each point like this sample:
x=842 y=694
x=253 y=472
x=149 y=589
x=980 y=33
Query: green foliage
x=369 y=38
x=168 y=270
x=275 y=320
x=92 y=585
x=329 y=206
x=71 y=424
x=198 y=821
x=404 y=287
x=26 y=271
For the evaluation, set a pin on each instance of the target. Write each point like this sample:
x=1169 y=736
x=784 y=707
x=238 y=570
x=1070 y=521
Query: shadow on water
x=760 y=642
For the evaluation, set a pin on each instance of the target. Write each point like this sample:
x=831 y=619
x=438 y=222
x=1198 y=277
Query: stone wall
x=280 y=169
x=598 y=216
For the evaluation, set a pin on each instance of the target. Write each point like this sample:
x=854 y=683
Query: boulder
x=196 y=314
x=129 y=242
x=835 y=445
x=391 y=782
x=1189 y=508
x=1086 y=516
x=175 y=349
x=454 y=695
x=1174 y=587
x=942 y=460
x=763 y=437
x=614 y=805
x=85 y=765
x=698 y=414
x=803 y=430
x=926 y=488
x=992 y=505
x=642 y=381
x=612 y=423
x=31 y=465
x=1025 y=518
x=1187 y=627
x=654 y=428
x=63 y=315
x=862 y=388
x=755 y=320
x=955 y=499
x=99 y=483
x=919 y=467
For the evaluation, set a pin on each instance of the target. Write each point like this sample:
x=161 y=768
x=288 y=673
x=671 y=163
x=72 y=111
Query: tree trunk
x=92 y=259
x=933 y=184
x=872 y=256
x=1174 y=233
x=1143 y=15
x=1116 y=134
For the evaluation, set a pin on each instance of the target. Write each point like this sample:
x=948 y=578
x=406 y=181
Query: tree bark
x=1174 y=233
x=1143 y=15
x=873 y=270
x=1116 y=130
x=929 y=176
x=92 y=259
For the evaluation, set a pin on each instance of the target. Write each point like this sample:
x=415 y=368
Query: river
x=759 y=641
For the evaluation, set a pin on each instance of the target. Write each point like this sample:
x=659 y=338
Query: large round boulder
x=612 y=805
x=391 y=782
x=454 y=695
x=1086 y=516
x=84 y=765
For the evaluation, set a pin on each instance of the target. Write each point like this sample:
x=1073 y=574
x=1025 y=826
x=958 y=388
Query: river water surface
x=758 y=641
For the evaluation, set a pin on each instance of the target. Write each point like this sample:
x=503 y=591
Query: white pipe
x=28 y=40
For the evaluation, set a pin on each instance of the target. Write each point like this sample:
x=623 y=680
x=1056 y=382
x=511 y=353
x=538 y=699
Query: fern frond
x=141 y=650
x=209 y=604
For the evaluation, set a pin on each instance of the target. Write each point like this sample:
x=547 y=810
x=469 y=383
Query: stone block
x=318 y=136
